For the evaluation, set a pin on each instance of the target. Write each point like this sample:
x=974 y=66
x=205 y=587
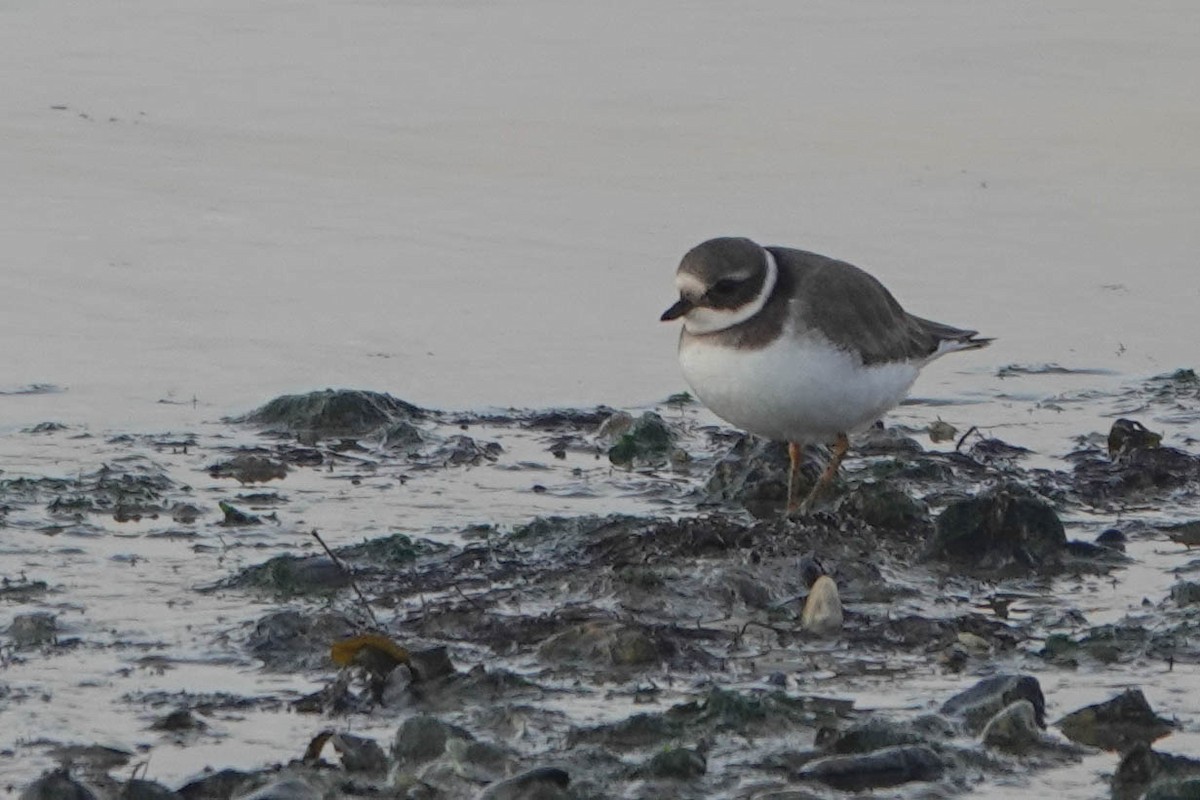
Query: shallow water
x=474 y=205
x=470 y=205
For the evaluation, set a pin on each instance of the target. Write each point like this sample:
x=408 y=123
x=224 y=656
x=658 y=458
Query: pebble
x=823 y=609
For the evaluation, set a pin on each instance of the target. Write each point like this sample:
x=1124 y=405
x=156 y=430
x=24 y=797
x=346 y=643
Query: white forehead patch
x=701 y=320
x=689 y=285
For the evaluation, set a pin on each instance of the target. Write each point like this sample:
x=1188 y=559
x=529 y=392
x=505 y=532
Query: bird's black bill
x=676 y=311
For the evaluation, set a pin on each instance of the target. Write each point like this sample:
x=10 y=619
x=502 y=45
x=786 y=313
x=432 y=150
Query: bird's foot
x=805 y=507
x=802 y=509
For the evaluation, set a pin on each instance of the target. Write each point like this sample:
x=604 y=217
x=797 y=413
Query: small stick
x=963 y=438
x=468 y=599
x=350 y=575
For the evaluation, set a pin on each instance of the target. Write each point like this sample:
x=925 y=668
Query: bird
x=798 y=347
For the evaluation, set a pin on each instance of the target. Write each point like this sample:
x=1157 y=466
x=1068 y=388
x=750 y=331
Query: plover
x=797 y=347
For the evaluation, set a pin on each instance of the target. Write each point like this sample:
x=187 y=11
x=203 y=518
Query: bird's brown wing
x=856 y=312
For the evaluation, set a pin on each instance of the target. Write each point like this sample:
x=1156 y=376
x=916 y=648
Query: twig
x=350 y=575
x=468 y=599
x=963 y=438
x=765 y=626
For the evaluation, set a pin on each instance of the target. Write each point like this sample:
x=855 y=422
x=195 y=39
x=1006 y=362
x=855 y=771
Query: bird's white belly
x=800 y=390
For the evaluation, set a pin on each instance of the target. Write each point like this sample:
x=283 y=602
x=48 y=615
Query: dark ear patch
x=725 y=287
x=733 y=292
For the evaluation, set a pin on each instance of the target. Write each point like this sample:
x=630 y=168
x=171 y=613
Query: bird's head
x=722 y=282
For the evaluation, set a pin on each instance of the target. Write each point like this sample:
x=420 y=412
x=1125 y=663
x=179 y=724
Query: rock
x=1014 y=729
x=873 y=734
x=540 y=783
x=249 y=468
x=999 y=529
x=1184 y=533
x=885 y=506
x=33 y=630
x=1185 y=593
x=976 y=706
x=1137 y=770
x=359 y=754
x=1133 y=472
x=751 y=714
x=973 y=643
x=890 y=766
x=185 y=513
x=745 y=712
x=555 y=420
x=1112 y=538
x=822 y=613
x=1160 y=468
x=289 y=640
x=461 y=450
x=676 y=763
x=477 y=761
x=292 y=576
x=746 y=586
x=879 y=440
x=286 y=789
x=1106 y=643
x=218 y=784
x=423 y=738
x=386 y=552
x=1098 y=554
x=648 y=441
x=615 y=426
x=477 y=686
x=234 y=516
x=178 y=721
x=1127 y=435
x=754 y=474
x=93 y=760
x=987 y=450
x=431 y=663
x=1117 y=724
x=332 y=413
x=45 y=427
x=138 y=789
x=127 y=490
x=1174 y=789
x=402 y=435
x=631 y=733
x=57 y=785
x=605 y=644
x=1141 y=767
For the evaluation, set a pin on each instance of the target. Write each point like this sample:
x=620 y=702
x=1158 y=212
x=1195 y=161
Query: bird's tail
x=950 y=339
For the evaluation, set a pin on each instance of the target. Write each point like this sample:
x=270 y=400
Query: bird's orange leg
x=840 y=446
x=794 y=455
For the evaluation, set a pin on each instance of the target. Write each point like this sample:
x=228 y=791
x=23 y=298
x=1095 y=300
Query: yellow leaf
x=347 y=651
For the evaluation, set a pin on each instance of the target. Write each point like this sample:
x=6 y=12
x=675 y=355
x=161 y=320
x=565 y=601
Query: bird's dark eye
x=725 y=287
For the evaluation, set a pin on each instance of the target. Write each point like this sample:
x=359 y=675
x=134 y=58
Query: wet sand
x=494 y=536
x=481 y=207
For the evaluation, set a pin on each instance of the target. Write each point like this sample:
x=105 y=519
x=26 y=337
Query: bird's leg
x=794 y=455
x=840 y=446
